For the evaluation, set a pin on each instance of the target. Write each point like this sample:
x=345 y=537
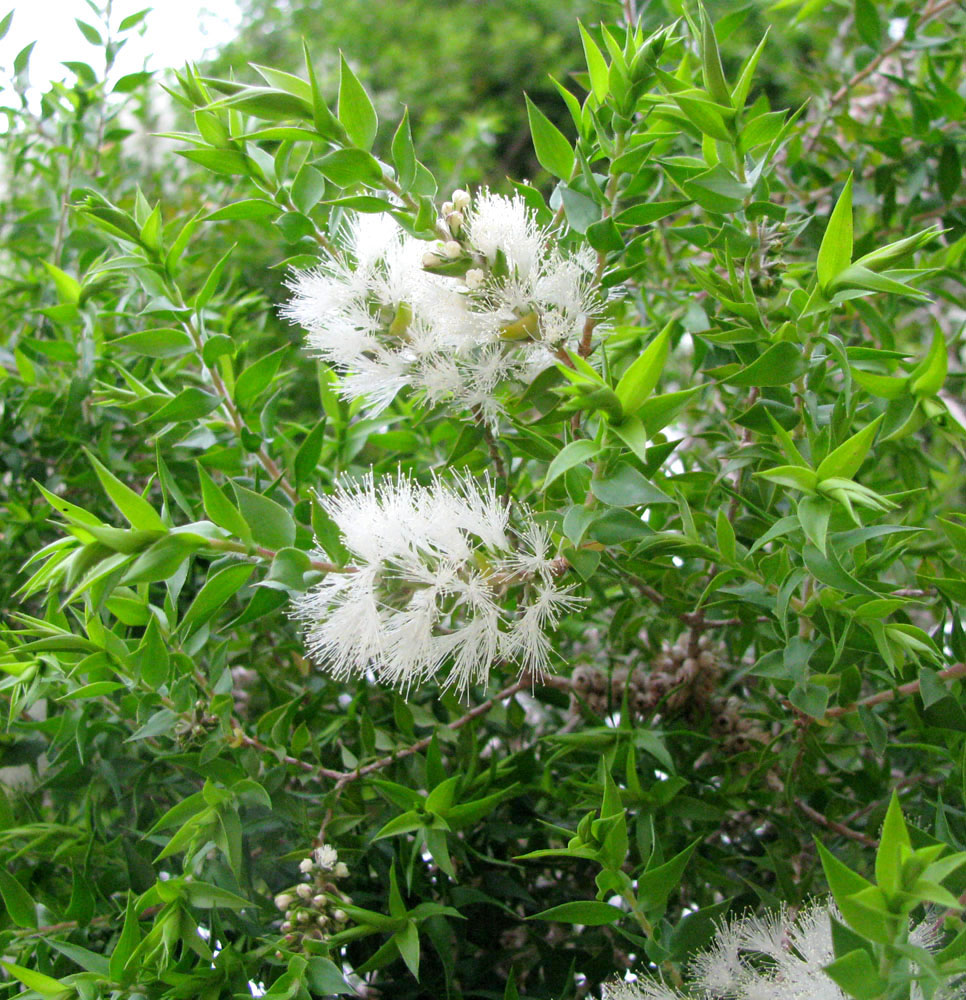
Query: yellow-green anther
x=401 y=321
x=525 y=328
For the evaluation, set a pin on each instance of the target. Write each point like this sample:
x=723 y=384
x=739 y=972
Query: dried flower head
x=434 y=568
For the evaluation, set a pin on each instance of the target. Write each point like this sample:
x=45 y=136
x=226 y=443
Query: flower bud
x=455 y=221
x=340 y=916
x=318 y=901
x=341 y=870
x=461 y=199
x=284 y=900
x=286 y=927
x=431 y=260
x=448 y=207
x=304 y=916
x=474 y=277
x=304 y=891
x=452 y=249
x=306 y=865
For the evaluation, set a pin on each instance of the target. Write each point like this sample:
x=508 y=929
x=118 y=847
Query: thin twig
x=932 y=10
x=830 y=824
x=949 y=674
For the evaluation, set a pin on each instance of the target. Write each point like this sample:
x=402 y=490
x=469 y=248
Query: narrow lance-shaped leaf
x=553 y=151
x=844 y=462
x=356 y=112
x=835 y=253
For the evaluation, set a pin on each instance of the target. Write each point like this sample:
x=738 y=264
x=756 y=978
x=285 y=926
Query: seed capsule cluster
x=683 y=682
x=312 y=908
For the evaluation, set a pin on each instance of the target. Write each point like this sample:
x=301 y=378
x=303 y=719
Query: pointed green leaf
x=553 y=151
x=845 y=461
x=356 y=112
x=17 y=901
x=928 y=376
x=590 y=912
x=37 y=981
x=596 y=66
x=835 y=253
x=139 y=513
x=638 y=382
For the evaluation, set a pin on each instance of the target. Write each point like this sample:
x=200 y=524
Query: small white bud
x=431 y=260
x=304 y=916
x=318 y=901
x=306 y=865
x=452 y=249
x=447 y=208
x=284 y=900
x=340 y=916
x=322 y=920
x=304 y=891
x=341 y=870
x=455 y=221
x=286 y=927
x=461 y=199
x=474 y=277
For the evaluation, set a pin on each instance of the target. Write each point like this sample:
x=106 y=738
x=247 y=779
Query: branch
x=949 y=674
x=830 y=824
x=933 y=9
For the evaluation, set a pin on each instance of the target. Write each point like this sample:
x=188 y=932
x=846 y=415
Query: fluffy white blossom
x=774 y=957
x=455 y=322
x=440 y=582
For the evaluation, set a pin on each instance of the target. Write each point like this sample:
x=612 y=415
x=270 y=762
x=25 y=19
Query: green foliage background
x=164 y=431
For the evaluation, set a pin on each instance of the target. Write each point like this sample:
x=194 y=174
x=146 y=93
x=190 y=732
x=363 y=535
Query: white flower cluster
x=434 y=567
x=455 y=321
x=775 y=957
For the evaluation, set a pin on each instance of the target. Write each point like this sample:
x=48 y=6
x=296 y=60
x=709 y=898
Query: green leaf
x=407 y=941
x=835 y=253
x=656 y=885
x=138 y=512
x=89 y=32
x=356 y=112
x=590 y=912
x=307 y=188
x=780 y=364
x=573 y=454
x=626 y=487
x=403 y=153
x=553 y=151
x=347 y=167
x=132 y=20
x=888 y=857
x=152 y=656
x=795 y=476
x=712 y=70
x=248 y=208
x=128 y=941
x=37 y=981
x=813 y=515
x=220 y=509
x=310 y=450
x=257 y=377
x=160 y=343
x=845 y=461
x=270 y=523
x=68 y=288
x=218 y=588
x=928 y=376
x=638 y=382
x=323 y=976
x=857 y=975
x=17 y=901
x=596 y=66
x=189 y=404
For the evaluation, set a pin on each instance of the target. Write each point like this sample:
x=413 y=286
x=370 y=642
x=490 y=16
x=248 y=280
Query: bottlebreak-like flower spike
x=437 y=584
x=775 y=957
x=456 y=320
